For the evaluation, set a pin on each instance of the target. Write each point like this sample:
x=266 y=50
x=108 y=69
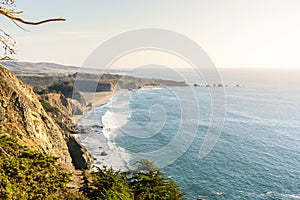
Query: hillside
x=23 y=117
x=45 y=68
x=44 y=75
x=40 y=68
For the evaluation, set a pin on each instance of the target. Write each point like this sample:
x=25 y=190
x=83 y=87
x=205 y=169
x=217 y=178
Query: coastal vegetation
x=46 y=105
x=146 y=183
x=29 y=174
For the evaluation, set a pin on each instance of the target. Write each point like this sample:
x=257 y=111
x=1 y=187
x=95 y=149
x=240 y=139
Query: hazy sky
x=234 y=33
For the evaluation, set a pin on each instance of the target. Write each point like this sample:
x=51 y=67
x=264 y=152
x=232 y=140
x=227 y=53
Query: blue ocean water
x=256 y=157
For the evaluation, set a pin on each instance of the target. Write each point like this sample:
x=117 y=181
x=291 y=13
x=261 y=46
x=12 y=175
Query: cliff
x=65 y=106
x=23 y=116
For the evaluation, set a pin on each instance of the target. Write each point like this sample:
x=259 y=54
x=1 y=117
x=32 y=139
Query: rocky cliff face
x=23 y=117
x=66 y=106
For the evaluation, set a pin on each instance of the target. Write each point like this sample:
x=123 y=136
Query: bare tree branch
x=8 y=43
x=11 y=15
x=19 y=26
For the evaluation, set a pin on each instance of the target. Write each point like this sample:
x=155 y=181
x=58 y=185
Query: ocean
x=257 y=154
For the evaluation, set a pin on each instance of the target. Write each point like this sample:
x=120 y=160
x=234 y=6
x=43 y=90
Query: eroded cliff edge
x=23 y=117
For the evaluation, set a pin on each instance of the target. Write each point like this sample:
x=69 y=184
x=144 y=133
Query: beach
x=93 y=99
x=99 y=138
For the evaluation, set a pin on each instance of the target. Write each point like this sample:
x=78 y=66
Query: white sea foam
x=152 y=88
x=100 y=141
x=294 y=196
x=116 y=157
x=113 y=120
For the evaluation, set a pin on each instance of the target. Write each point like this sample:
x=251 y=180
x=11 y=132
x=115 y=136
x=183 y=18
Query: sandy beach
x=95 y=99
x=104 y=151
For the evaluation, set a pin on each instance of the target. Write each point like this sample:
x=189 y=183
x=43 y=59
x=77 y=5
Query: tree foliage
x=148 y=182
x=28 y=174
x=106 y=184
x=145 y=183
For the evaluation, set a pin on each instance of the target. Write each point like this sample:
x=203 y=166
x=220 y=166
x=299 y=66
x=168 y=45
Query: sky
x=234 y=33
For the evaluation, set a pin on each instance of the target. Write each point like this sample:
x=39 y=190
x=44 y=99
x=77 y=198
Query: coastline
x=99 y=138
x=95 y=99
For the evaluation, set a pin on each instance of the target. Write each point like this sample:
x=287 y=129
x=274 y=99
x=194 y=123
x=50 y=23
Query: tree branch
x=7 y=42
x=10 y=15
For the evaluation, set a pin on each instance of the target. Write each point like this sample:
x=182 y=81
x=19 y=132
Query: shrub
x=28 y=174
x=46 y=105
x=145 y=183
